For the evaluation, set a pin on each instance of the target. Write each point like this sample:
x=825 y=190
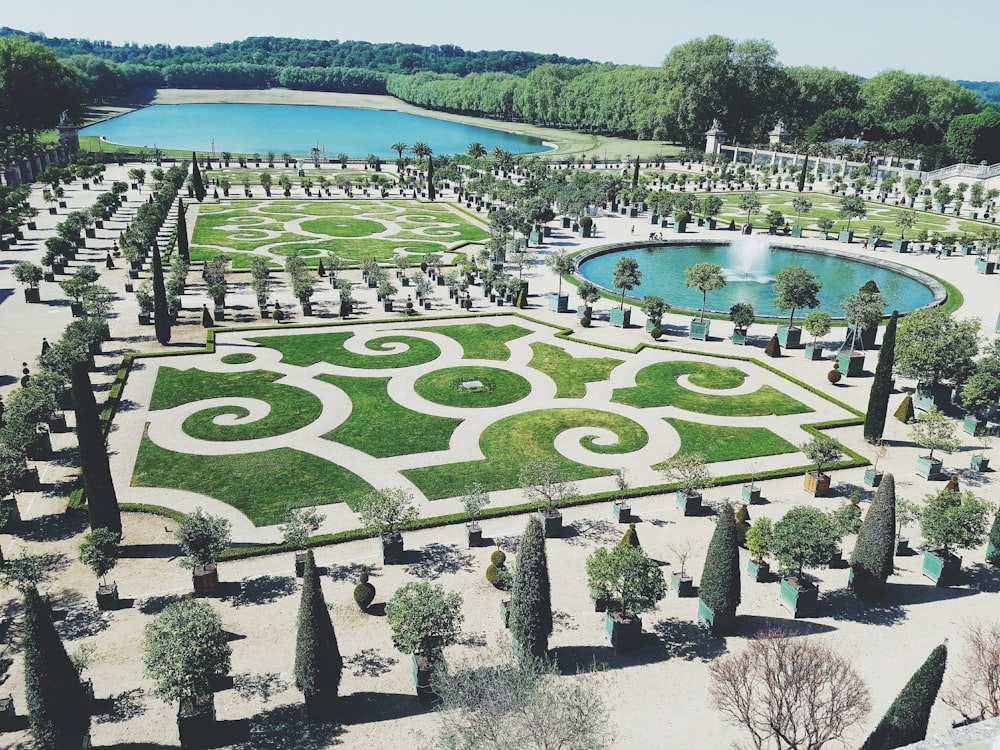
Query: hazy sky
x=955 y=39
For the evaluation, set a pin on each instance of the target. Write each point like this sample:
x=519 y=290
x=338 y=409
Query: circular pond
x=749 y=265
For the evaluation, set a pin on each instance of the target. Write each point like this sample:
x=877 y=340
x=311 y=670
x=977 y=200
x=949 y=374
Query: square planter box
x=392 y=547
x=205 y=579
x=759 y=571
x=300 y=564
x=980 y=463
x=621 y=318
x=796 y=231
x=972 y=424
x=902 y=546
x=720 y=623
x=740 y=337
x=814 y=352
x=505 y=612
x=32 y=295
x=851 y=364
x=581 y=311
x=864 y=585
x=689 y=502
x=559 y=302
x=551 y=521
x=621 y=511
x=941 y=567
x=625 y=633
x=924 y=397
x=680 y=227
x=873 y=478
x=107 y=596
x=900 y=246
x=699 y=329
x=473 y=534
x=985 y=266
x=790 y=338
x=992 y=554
x=799 y=596
x=751 y=494
x=846 y=236
x=928 y=468
x=196 y=721
x=817 y=484
x=865 y=335
x=423 y=667
x=683 y=584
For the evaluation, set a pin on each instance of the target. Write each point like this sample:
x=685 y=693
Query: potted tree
x=625 y=276
x=979 y=461
x=907 y=512
x=742 y=315
x=817 y=323
x=298 y=525
x=146 y=301
x=680 y=581
x=545 y=484
x=705 y=277
x=99 y=552
x=620 y=508
x=690 y=472
x=951 y=520
x=758 y=543
x=822 y=450
x=424 y=618
x=30 y=275
x=851 y=207
x=863 y=311
x=795 y=288
x=933 y=430
x=804 y=537
x=589 y=293
x=936 y=350
x=750 y=491
x=474 y=500
x=993 y=546
x=801 y=206
x=202 y=538
x=561 y=264
x=654 y=307
x=631 y=583
x=385 y=512
x=981 y=392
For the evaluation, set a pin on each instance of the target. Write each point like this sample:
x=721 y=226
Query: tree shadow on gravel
x=55 y=527
x=683 y=639
x=586 y=532
x=369 y=662
x=748 y=626
x=435 y=560
x=260 y=687
x=983 y=577
x=82 y=622
x=153 y=605
x=842 y=604
x=368 y=707
x=264 y=590
x=285 y=727
x=350 y=571
x=139 y=551
x=120 y=707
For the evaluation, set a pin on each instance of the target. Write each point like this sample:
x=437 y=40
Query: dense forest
x=989 y=91
x=741 y=83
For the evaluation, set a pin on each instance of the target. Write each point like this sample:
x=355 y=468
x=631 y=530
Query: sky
x=955 y=39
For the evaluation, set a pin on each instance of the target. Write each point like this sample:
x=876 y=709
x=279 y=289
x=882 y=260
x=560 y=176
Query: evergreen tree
x=878 y=398
x=992 y=550
x=102 y=502
x=635 y=172
x=904 y=412
x=161 y=317
x=906 y=720
x=871 y=560
x=182 y=234
x=196 y=183
x=318 y=663
x=720 y=579
x=531 y=605
x=58 y=708
x=430 y=178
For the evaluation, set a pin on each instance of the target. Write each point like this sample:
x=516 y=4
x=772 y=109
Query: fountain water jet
x=749 y=259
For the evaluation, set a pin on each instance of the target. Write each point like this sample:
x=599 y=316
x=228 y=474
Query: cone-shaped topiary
x=993 y=549
x=431 y=194
x=161 y=318
x=196 y=183
x=364 y=592
x=773 y=348
x=58 y=708
x=871 y=560
x=878 y=398
x=318 y=663
x=206 y=317
x=102 y=502
x=531 y=604
x=906 y=720
x=631 y=536
x=320 y=269
x=182 y=233
x=720 y=579
x=904 y=412
x=742 y=524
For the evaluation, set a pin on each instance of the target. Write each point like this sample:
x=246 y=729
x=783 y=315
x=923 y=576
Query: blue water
x=259 y=128
x=749 y=268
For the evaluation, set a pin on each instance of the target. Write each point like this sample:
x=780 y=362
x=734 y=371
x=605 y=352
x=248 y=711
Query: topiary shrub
x=496 y=572
x=773 y=348
x=498 y=557
x=835 y=375
x=952 y=485
x=364 y=592
x=656 y=333
x=585 y=321
x=631 y=537
x=742 y=525
x=904 y=413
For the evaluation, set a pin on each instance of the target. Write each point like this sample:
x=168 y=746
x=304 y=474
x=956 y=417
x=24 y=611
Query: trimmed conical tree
x=878 y=398
x=904 y=412
x=58 y=707
x=993 y=548
x=318 y=663
x=635 y=172
x=197 y=185
x=871 y=560
x=906 y=720
x=773 y=348
x=182 y=233
x=161 y=317
x=102 y=502
x=631 y=536
x=531 y=604
x=719 y=591
x=431 y=195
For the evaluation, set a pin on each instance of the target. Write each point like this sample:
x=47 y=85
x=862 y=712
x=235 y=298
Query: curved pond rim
x=936 y=287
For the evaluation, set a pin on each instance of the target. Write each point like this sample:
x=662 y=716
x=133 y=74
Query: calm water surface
x=259 y=128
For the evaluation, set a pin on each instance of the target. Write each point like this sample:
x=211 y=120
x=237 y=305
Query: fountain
x=749 y=260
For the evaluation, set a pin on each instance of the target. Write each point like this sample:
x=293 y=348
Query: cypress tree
x=993 y=548
x=802 y=175
x=531 y=605
x=904 y=412
x=102 y=502
x=878 y=398
x=318 y=663
x=196 y=183
x=430 y=178
x=161 y=317
x=635 y=172
x=720 y=580
x=182 y=233
x=58 y=708
x=906 y=720
x=871 y=560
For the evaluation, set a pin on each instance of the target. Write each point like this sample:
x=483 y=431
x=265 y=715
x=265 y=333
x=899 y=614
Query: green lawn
x=380 y=427
x=261 y=485
x=343 y=226
x=510 y=442
x=571 y=374
x=482 y=340
x=498 y=387
x=656 y=385
x=725 y=443
x=238 y=358
x=291 y=408
x=307 y=349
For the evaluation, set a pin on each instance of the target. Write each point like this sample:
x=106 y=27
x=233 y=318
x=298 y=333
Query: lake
x=259 y=128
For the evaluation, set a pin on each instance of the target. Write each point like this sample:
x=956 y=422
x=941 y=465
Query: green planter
x=624 y=631
x=873 y=478
x=941 y=567
x=846 y=236
x=900 y=246
x=796 y=231
x=720 y=623
x=196 y=721
x=682 y=583
x=851 y=364
x=814 y=352
x=985 y=266
x=558 y=302
x=680 y=227
x=759 y=571
x=799 y=596
x=790 y=338
x=551 y=521
x=621 y=318
x=992 y=554
x=621 y=511
x=980 y=463
x=689 y=502
x=391 y=543
x=865 y=335
x=902 y=546
x=699 y=329
x=924 y=397
x=972 y=424
x=423 y=668
x=751 y=494
x=928 y=468
x=739 y=337
x=473 y=534
x=582 y=311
